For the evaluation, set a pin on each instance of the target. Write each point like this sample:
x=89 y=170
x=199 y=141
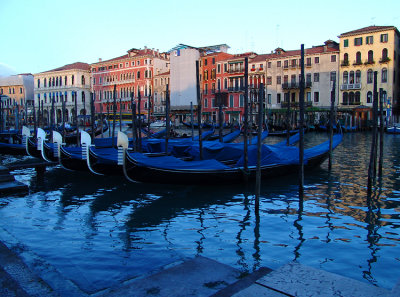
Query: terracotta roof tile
x=77 y=65
x=368 y=29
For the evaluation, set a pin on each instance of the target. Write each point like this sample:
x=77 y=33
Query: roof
x=368 y=29
x=73 y=66
x=164 y=73
x=329 y=47
x=208 y=49
x=134 y=52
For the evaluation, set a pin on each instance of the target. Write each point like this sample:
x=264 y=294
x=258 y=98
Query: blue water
x=98 y=231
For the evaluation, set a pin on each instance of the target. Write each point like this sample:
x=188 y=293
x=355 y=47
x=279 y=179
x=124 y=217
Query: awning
x=232 y=111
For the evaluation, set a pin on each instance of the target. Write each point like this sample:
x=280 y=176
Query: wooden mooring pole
x=114 y=114
x=259 y=144
x=246 y=119
x=301 y=142
x=331 y=120
x=372 y=161
x=167 y=120
x=140 y=121
x=381 y=132
x=199 y=108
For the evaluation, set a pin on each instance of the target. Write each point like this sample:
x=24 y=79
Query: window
x=293 y=97
x=133 y=63
x=308 y=62
x=83 y=80
x=369 y=40
x=351 y=77
x=269 y=80
x=286 y=64
x=345 y=98
x=269 y=98
x=278 y=80
x=316 y=60
x=225 y=67
x=241 y=100
x=369 y=97
x=358 y=58
x=293 y=63
x=293 y=78
x=358 y=76
x=308 y=97
x=370 y=76
x=384 y=75
x=38 y=83
x=316 y=96
x=138 y=74
x=262 y=66
x=333 y=75
x=370 y=57
x=231 y=100
x=72 y=79
x=285 y=79
x=308 y=78
x=213 y=61
x=316 y=77
x=269 y=65
x=278 y=98
x=218 y=68
x=346 y=57
x=206 y=103
x=278 y=64
x=205 y=62
x=346 y=43
x=357 y=97
x=333 y=58
x=384 y=38
x=218 y=84
x=358 y=41
x=384 y=54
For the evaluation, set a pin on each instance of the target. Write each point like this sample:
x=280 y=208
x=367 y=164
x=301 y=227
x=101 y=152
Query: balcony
x=345 y=63
x=296 y=104
x=296 y=85
x=235 y=89
x=369 y=62
x=384 y=60
x=308 y=65
x=351 y=103
x=285 y=66
x=356 y=63
x=345 y=87
x=235 y=70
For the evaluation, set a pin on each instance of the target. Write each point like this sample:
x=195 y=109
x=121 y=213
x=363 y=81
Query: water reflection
x=117 y=230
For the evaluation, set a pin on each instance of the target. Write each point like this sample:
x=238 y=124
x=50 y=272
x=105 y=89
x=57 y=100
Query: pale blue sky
x=44 y=34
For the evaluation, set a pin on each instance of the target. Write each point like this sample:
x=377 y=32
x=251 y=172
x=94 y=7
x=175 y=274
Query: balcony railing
x=235 y=89
x=384 y=60
x=296 y=104
x=369 y=62
x=296 y=85
x=235 y=70
x=345 y=87
x=344 y=63
x=357 y=63
x=351 y=103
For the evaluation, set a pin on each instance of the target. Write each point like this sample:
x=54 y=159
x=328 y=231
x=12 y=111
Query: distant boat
x=393 y=130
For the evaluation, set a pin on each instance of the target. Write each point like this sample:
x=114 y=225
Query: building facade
x=363 y=52
x=69 y=83
x=16 y=93
x=161 y=81
x=130 y=74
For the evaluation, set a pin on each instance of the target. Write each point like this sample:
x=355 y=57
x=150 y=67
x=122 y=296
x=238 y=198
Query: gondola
x=276 y=161
x=72 y=138
x=74 y=157
x=393 y=130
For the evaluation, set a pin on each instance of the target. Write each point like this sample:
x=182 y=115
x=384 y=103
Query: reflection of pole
x=288 y=119
x=191 y=116
x=120 y=113
x=133 y=109
x=219 y=96
x=63 y=117
x=52 y=116
x=101 y=116
x=92 y=114
x=140 y=121
x=372 y=161
x=149 y=110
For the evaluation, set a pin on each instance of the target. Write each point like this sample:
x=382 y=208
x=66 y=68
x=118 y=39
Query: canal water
x=98 y=230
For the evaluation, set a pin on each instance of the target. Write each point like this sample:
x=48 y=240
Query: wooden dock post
x=191 y=116
x=134 y=131
x=301 y=143
x=92 y=115
x=167 y=120
x=288 y=121
x=114 y=114
x=246 y=117
x=259 y=144
x=372 y=161
x=331 y=120
x=199 y=109
x=76 y=117
x=140 y=121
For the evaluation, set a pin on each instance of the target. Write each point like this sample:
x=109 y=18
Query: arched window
x=384 y=75
x=83 y=80
x=357 y=98
x=72 y=79
x=138 y=75
x=65 y=80
x=346 y=57
x=83 y=97
x=38 y=83
x=351 y=77
x=44 y=83
x=351 y=98
x=370 y=76
x=56 y=81
x=60 y=81
x=358 y=58
x=345 y=77
x=345 y=98
x=369 y=97
x=370 y=57
x=384 y=54
x=358 y=76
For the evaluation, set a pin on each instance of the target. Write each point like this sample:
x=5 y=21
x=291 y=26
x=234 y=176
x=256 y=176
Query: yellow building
x=363 y=52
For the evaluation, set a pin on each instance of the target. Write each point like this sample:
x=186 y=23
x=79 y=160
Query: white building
x=70 y=82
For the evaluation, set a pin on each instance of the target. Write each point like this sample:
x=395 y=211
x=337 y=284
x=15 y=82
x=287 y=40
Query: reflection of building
x=160 y=83
x=131 y=73
x=70 y=82
x=362 y=53
x=16 y=93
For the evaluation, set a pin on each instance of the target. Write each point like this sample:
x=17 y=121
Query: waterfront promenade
x=198 y=276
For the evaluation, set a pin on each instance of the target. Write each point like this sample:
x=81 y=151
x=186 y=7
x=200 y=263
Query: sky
x=40 y=35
